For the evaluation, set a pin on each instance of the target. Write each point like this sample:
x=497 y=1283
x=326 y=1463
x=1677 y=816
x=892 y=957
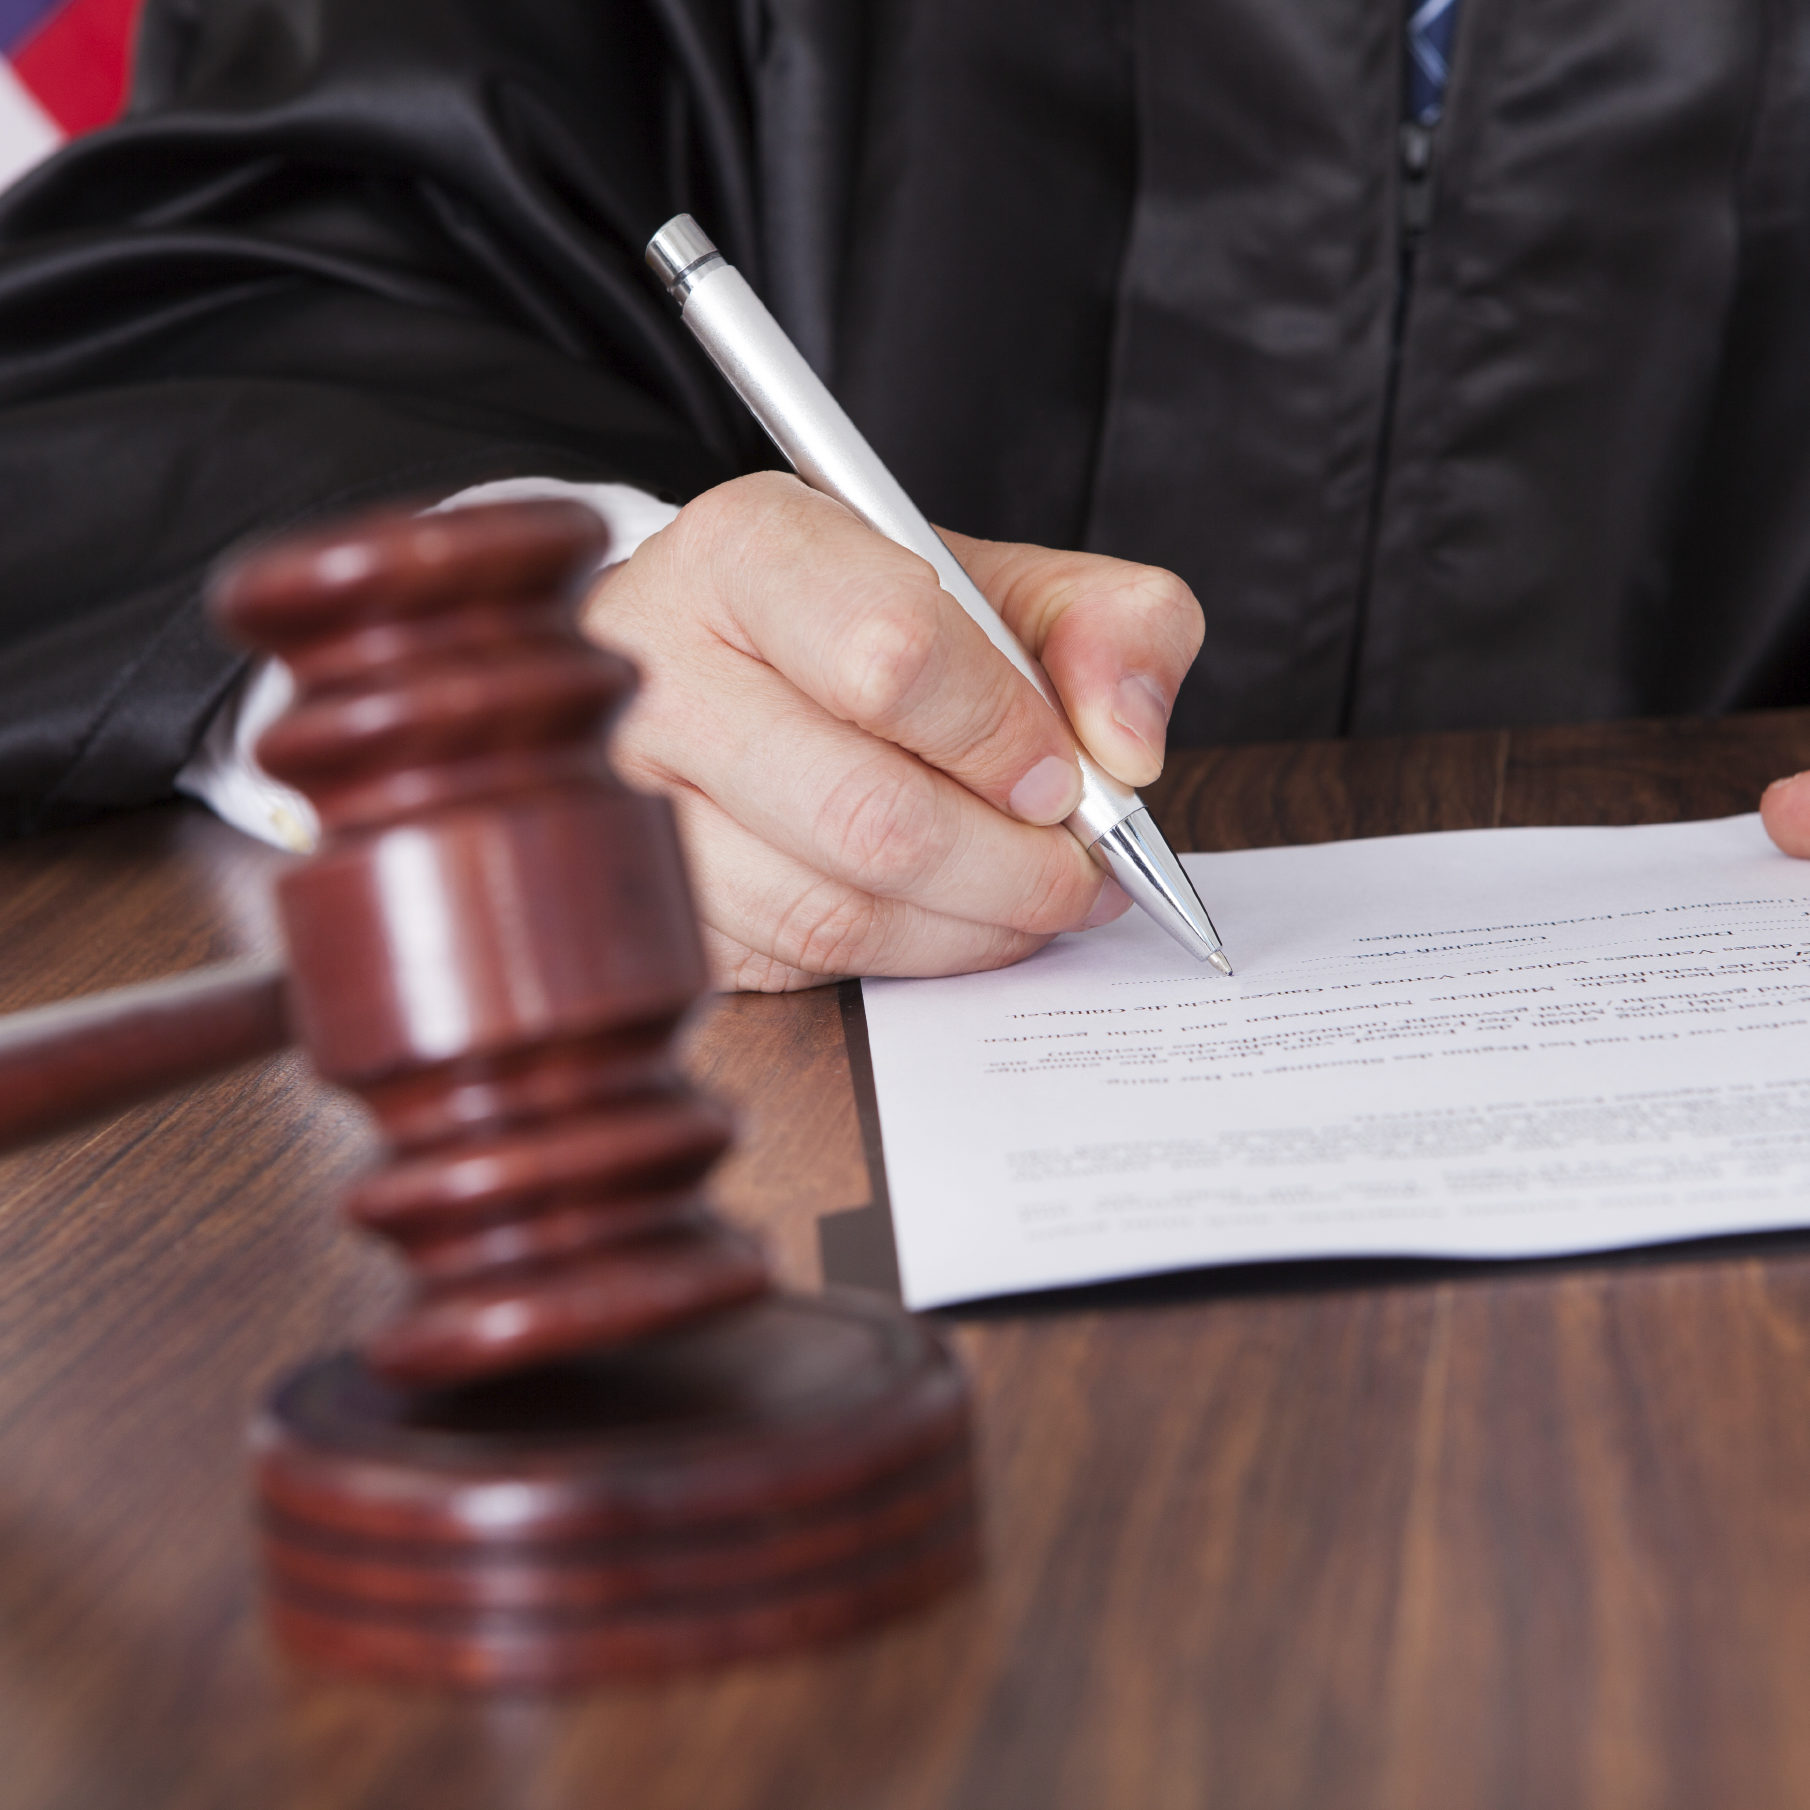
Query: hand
x=864 y=783
x=1785 y=811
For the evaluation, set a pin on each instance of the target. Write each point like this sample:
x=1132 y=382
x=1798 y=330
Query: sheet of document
x=1493 y=1043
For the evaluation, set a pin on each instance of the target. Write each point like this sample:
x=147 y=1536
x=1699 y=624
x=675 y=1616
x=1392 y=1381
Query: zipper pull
x=1416 y=180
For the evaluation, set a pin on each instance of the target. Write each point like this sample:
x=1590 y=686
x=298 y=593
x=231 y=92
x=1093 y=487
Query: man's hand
x=1785 y=811
x=865 y=784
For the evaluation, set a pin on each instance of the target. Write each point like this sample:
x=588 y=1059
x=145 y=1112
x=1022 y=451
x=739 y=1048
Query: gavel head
x=495 y=942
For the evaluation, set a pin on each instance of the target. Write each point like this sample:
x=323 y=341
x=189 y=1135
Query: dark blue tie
x=1430 y=28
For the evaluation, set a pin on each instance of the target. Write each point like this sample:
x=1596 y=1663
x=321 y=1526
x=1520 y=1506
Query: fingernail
x=1113 y=902
x=1049 y=792
x=1789 y=779
x=1140 y=709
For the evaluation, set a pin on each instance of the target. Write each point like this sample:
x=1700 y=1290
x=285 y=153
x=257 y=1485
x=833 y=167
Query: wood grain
x=1650 y=772
x=1260 y=795
x=1345 y=1537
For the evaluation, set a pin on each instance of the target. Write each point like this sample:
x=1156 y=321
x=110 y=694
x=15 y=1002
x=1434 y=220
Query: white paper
x=1492 y=1043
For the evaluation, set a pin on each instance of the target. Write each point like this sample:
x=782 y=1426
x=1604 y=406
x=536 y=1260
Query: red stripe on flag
x=78 y=61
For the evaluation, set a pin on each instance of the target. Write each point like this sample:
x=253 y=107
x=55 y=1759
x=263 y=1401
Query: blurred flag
x=63 y=69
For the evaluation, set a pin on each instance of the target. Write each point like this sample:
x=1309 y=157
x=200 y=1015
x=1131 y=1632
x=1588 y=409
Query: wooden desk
x=1348 y=1537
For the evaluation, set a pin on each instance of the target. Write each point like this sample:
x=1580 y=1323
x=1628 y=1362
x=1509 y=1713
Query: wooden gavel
x=596 y=1440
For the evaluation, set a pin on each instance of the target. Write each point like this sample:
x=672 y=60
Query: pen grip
x=812 y=429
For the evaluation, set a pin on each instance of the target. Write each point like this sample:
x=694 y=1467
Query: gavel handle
x=65 y=1063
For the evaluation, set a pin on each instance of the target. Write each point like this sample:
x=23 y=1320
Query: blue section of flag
x=1431 y=27
x=20 y=18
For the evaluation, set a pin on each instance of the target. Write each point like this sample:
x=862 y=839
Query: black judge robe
x=1123 y=274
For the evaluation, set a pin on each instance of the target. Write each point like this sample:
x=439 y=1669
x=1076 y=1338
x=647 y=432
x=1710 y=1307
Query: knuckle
x=749 y=498
x=729 y=542
x=729 y=520
x=1168 y=601
x=881 y=826
x=770 y=508
x=884 y=660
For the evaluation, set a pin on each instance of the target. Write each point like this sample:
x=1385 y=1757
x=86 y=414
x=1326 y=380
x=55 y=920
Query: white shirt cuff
x=223 y=771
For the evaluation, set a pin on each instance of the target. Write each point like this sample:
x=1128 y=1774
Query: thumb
x=1116 y=639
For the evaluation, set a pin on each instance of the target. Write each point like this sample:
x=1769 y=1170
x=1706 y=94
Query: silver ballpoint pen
x=827 y=450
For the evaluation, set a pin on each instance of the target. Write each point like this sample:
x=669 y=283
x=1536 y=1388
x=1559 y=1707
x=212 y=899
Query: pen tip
x=1136 y=855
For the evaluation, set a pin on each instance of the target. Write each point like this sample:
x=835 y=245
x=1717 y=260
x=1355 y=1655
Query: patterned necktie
x=1430 y=28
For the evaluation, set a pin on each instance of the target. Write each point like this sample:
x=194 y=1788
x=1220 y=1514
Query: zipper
x=1417 y=143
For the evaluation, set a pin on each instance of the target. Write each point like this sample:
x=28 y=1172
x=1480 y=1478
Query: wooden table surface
x=1349 y=1536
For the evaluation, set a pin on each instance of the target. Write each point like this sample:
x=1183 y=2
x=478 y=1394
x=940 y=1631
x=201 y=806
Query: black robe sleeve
x=339 y=250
